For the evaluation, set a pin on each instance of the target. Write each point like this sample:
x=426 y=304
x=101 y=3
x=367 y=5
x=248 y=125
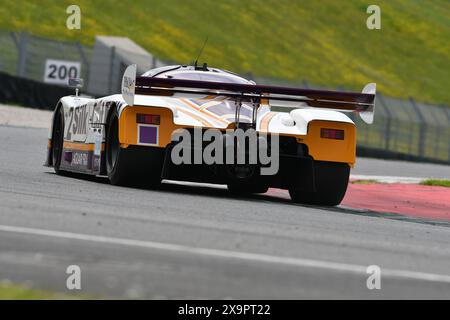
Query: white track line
x=387 y=179
x=353 y=268
x=196 y=184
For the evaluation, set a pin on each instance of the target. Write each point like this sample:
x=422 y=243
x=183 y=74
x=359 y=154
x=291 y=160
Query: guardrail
x=404 y=129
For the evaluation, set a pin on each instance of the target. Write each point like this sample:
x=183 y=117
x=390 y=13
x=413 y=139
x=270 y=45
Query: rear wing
x=362 y=103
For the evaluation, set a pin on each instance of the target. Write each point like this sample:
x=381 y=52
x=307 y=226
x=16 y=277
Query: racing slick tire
x=57 y=141
x=331 y=181
x=134 y=166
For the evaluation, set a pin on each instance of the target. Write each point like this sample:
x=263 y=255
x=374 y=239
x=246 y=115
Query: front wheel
x=331 y=180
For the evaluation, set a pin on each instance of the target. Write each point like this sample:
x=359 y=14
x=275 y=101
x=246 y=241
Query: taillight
x=332 y=134
x=148 y=118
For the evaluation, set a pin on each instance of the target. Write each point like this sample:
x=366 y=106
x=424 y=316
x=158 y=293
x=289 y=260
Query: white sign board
x=60 y=71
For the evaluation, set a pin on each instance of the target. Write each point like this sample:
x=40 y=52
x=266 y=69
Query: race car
x=137 y=138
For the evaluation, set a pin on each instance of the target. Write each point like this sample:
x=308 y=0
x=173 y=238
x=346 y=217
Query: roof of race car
x=204 y=73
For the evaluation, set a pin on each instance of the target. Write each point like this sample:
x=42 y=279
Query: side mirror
x=76 y=83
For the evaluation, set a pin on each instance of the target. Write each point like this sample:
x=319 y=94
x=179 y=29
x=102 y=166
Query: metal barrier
x=409 y=127
x=25 y=55
x=9 y=52
x=406 y=127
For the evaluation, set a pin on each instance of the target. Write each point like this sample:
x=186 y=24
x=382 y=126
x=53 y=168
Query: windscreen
x=204 y=76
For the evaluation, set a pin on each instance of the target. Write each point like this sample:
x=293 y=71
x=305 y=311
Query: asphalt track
x=378 y=167
x=187 y=241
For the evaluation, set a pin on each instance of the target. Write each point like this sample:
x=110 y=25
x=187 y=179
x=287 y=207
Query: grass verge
x=364 y=181
x=9 y=291
x=436 y=182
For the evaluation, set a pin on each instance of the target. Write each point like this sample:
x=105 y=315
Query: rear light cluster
x=332 y=134
x=148 y=118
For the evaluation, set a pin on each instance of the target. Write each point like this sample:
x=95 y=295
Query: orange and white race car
x=204 y=124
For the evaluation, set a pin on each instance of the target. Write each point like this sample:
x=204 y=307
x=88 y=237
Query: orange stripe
x=209 y=114
x=80 y=146
x=196 y=117
x=265 y=121
x=210 y=98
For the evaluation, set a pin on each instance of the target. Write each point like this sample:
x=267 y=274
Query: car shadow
x=220 y=191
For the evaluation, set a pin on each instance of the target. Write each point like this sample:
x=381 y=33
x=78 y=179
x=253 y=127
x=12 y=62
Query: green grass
x=364 y=181
x=10 y=291
x=436 y=182
x=325 y=42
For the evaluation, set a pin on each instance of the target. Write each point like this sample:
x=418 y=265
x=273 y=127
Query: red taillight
x=332 y=134
x=148 y=118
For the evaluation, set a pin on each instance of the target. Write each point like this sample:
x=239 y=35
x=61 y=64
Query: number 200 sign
x=60 y=71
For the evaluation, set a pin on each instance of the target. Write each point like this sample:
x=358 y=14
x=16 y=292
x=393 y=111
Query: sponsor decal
x=129 y=84
x=98 y=144
x=96 y=163
x=77 y=121
x=79 y=159
x=148 y=134
x=68 y=156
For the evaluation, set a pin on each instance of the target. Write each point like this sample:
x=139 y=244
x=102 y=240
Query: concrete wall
x=110 y=57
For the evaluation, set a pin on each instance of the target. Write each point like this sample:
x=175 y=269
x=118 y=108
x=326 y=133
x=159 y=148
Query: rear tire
x=331 y=180
x=57 y=141
x=132 y=166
